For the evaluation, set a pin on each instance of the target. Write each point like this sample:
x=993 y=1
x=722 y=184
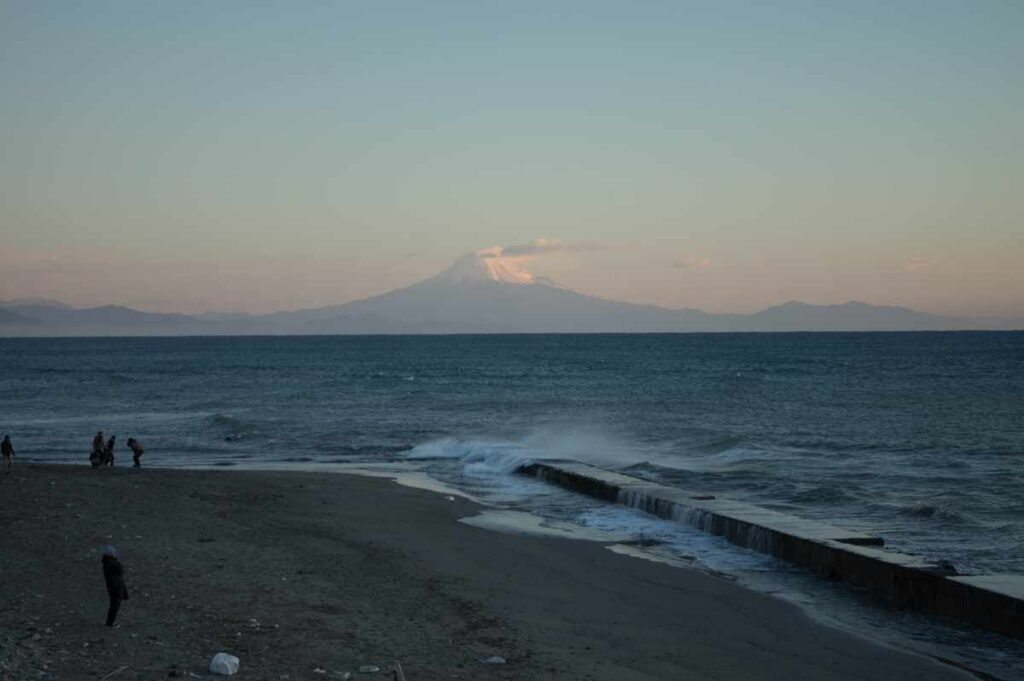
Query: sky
x=725 y=156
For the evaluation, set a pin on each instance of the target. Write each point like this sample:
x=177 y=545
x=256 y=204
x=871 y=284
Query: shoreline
x=297 y=571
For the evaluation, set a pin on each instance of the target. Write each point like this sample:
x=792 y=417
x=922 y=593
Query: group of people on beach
x=103 y=452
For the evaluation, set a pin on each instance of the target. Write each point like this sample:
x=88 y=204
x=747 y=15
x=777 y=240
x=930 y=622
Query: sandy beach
x=310 y=576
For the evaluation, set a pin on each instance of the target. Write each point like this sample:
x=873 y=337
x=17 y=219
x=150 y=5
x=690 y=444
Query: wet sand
x=300 y=572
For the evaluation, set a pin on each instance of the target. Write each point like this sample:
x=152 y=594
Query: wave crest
x=479 y=457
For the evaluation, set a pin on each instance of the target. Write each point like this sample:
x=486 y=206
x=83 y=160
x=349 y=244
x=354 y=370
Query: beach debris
x=224 y=664
x=450 y=498
x=396 y=672
x=369 y=669
x=318 y=670
x=495 y=659
x=116 y=671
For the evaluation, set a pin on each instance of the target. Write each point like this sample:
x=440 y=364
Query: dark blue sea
x=917 y=437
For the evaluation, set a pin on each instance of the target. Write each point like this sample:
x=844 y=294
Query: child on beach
x=7 y=449
x=113 y=574
x=137 y=451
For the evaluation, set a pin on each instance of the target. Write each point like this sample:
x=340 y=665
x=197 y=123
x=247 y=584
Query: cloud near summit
x=543 y=247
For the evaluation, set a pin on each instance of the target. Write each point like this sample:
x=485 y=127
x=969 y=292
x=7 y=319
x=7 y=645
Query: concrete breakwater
x=993 y=602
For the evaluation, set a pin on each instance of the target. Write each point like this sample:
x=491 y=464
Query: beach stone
x=224 y=664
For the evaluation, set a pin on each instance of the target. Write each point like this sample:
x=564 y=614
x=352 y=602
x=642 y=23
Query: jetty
x=993 y=602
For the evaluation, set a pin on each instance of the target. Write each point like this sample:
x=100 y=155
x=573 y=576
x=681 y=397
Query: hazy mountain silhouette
x=12 y=319
x=483 y=292
x=857 y=316
x=18 y=303
x=57 y=319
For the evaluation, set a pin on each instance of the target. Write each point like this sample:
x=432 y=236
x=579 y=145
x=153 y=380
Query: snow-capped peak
x=489 y=265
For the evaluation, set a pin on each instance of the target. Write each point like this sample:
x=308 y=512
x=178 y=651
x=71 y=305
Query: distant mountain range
x=482 y=292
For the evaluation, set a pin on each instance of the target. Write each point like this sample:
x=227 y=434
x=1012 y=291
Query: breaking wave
x=937 y=512
x=231 y=427
x=586 y=444
x=479 y=457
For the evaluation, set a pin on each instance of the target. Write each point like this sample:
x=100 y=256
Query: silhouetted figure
x=113 y=574
x=108 y=451
x=137 y=451
x=7 y=449
x=96 y=456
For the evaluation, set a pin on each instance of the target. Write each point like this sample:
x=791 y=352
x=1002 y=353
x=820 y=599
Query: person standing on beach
x=113 y=574
x=108 y=453
x=96 y=457
x=137 y=451
x=7 y=449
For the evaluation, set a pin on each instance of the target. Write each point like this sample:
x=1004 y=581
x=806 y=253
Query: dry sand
x=299 y=572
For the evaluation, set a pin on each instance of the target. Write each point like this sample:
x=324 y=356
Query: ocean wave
x=821 y=494
x=722 y=444
x=231 y=427
x=587 y=444
x=928 y=511
x=348 y=452
x=937 y=512
x=737 y=459
x=479 y=457
x=226 y=421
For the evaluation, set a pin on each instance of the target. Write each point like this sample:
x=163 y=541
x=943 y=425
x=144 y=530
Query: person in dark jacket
x=7 y=449
x=108 y=451
x=96 y=457
x=113 y=573
x=137 y=451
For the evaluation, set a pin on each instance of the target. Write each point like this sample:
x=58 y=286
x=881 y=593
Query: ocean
x=916 y=437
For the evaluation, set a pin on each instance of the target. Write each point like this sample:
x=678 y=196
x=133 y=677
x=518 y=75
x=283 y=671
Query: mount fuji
x=488 y=291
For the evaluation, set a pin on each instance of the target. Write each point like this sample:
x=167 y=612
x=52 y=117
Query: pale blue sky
x=181 y=156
